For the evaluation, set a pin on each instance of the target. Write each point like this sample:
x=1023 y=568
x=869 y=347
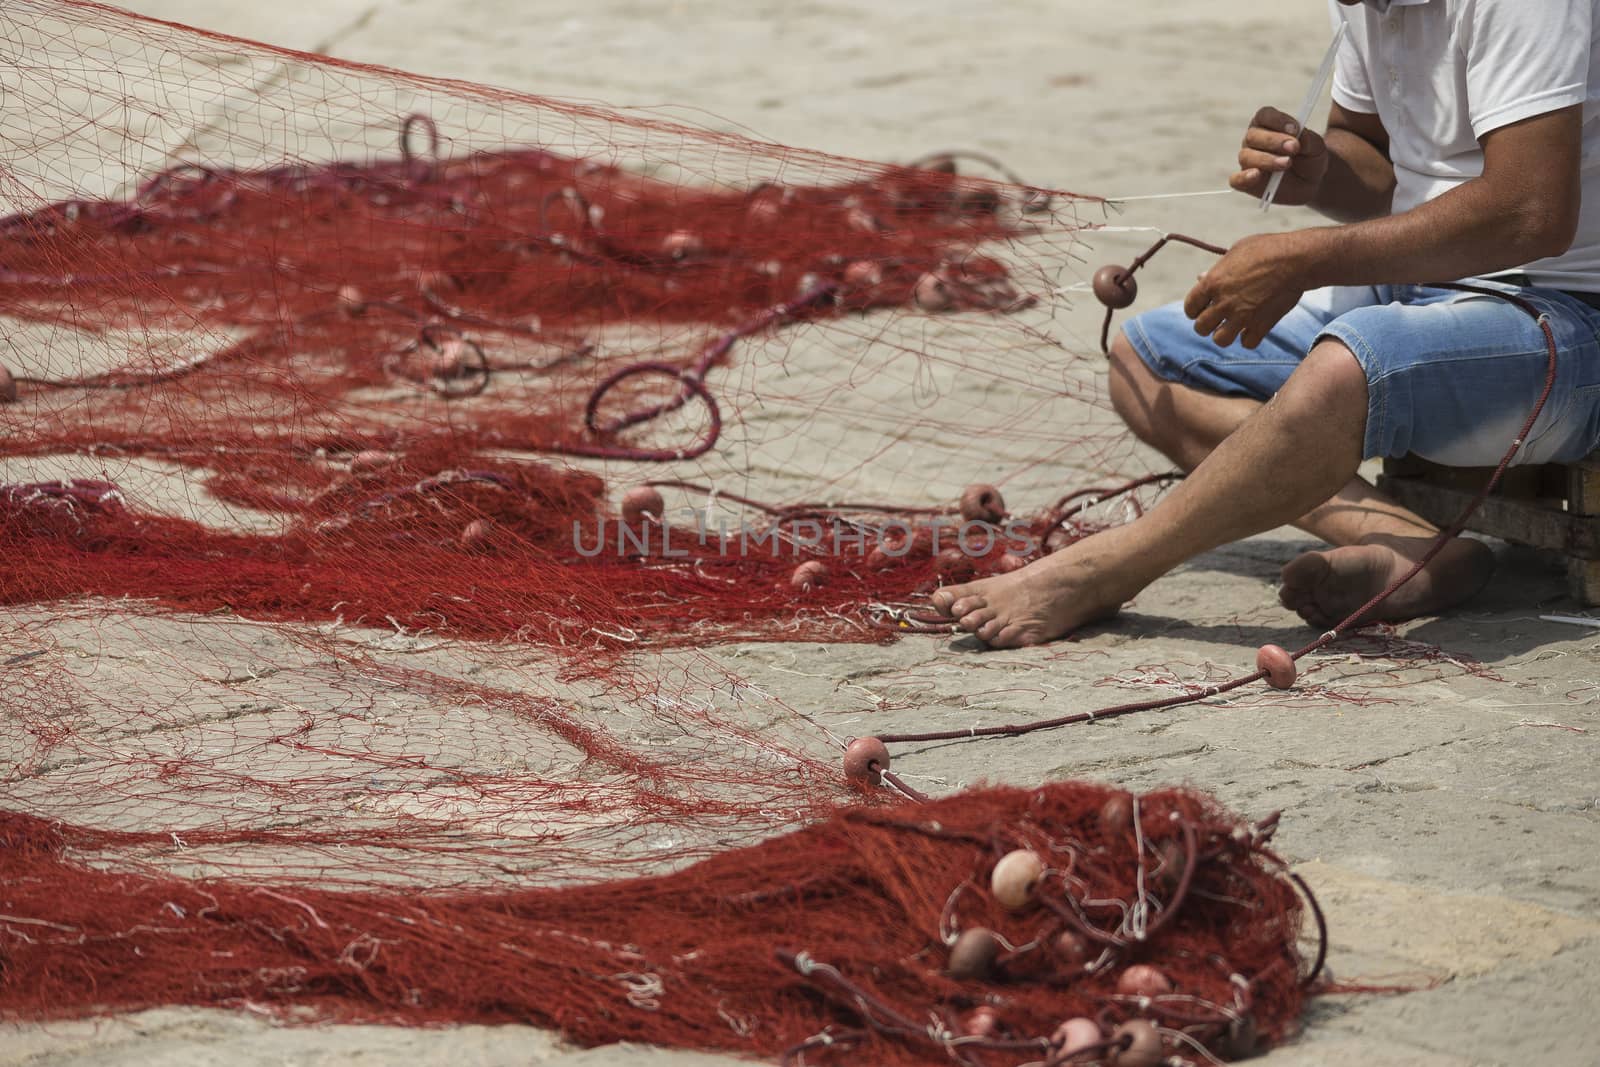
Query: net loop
x=425 y=168
x=455 y=367
x=691 y=386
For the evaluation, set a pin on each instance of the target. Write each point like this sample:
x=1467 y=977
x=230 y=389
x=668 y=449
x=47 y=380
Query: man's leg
x=1179 y=421
x=1291 y=455
x=1377 y=538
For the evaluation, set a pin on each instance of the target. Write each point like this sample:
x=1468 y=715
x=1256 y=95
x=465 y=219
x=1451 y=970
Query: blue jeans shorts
x=1451 y=376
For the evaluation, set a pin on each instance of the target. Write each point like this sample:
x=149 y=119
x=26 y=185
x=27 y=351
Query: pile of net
x=392 y=471
x=1069 y=924
x=357 y=357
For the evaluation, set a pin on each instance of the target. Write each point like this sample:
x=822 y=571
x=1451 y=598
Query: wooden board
x=1540 y=480
x=1542 y=522
x=1583 y=581
x=1583 y=490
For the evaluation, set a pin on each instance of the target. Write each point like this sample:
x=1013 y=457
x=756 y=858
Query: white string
x=1167 y=196
x=1083 y=287
x=1125 y=229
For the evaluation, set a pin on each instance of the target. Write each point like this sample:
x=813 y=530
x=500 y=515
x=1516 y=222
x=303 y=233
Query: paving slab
x=1438 y=782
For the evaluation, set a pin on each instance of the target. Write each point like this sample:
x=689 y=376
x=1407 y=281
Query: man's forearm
x=1473 y=229
x=1524 y=207
x=1359 y=184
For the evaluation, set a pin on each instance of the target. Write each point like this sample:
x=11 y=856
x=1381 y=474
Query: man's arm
x=1524 y=207
x=1359 y=184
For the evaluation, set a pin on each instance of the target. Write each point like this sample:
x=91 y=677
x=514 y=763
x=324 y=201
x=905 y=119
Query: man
x=1463 y=142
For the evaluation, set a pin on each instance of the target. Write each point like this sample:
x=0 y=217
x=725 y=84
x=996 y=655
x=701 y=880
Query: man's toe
x=1007 y=636
x=1301 y=575
x=990 y=629
x=967 y=605
x=974 y=621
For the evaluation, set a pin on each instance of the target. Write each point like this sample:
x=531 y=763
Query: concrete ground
x=1441 y=785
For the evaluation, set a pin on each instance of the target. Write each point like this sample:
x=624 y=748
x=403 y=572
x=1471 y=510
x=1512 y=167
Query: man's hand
x=1248 y=290
x=1274 y=143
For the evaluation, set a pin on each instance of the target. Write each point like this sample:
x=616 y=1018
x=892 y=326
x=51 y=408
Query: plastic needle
x=1312 y=96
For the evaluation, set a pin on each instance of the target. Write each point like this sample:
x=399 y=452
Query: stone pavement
x=1446 y=806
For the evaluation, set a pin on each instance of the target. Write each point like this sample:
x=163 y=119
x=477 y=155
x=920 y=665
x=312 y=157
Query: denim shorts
x=1451 y=376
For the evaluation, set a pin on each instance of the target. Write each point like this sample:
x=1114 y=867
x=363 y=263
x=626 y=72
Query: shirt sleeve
x=1524 y=58
x=1352 y=88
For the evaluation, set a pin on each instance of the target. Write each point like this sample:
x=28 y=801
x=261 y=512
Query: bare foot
x=1047 y=599
x=1325 y=587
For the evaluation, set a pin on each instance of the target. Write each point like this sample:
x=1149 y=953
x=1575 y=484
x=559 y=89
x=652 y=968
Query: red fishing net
x=995 y=926
x=381 y=457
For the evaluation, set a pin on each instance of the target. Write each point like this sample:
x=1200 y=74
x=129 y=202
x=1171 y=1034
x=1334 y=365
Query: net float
x=865 y=760
x=476 y=535
x=973 y=954
x=450 y=361
x=932 y=293
x=1116 y=816
x=863 y=274
x=1141 y=1044
x=1169 y=872
x=863 y=220
x=1143 y=980
x=1008 y=562
x=879 y=560
x=1075 y=1036
x=1278 y=665
x=681 y=244
x=1114 y=286
x=1073 y=948
x=1058 y=539
x=954 y=564
x=982 y=503
x=370 y=461
x=982 y=1021
x=1015 y=877
x=812 y=574
x=433 y=280
x=351 y=302
x=8 y=387
x=763 y=210
x=642 y=503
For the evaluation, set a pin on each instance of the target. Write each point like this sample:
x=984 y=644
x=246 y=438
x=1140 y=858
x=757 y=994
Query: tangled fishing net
x=382 y=456
x=966 y=929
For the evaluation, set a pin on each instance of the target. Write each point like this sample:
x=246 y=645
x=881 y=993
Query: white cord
x=1168 y=196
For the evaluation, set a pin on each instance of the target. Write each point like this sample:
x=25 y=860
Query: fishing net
x=385 y=458
x=902 y=922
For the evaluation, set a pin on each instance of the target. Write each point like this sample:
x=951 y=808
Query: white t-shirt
x=1440 y=74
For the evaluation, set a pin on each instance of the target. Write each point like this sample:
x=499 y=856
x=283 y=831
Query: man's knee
x=1329 y=389
x=1330 y=379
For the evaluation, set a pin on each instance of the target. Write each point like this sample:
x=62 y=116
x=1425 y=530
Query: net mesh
x=763 y=950
x=385 y=458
